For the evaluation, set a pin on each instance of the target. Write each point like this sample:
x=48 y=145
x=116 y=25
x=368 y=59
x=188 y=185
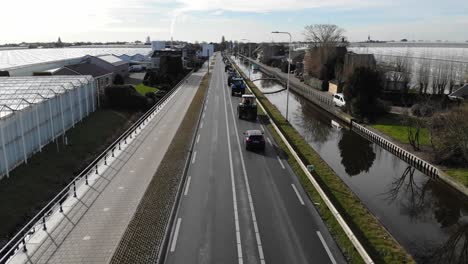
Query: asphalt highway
x=240 y=206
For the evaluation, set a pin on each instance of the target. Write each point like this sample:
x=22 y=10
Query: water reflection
x=409 y=193
x=357 y=154
x=455 y=249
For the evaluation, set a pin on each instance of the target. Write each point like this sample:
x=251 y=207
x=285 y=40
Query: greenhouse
x=36 y=110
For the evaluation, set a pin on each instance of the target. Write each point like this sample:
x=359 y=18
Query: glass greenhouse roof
x=17 y=93
x=24 y=57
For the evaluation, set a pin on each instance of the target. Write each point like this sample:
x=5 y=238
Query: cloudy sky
x=208 y=20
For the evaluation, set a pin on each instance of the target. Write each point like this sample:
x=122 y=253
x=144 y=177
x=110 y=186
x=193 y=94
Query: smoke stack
x=172 y=42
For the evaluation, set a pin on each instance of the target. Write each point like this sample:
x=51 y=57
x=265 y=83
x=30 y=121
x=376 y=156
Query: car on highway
x=254 y=140
x=338 y=100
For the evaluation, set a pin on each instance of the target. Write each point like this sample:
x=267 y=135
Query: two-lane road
x=239 y=206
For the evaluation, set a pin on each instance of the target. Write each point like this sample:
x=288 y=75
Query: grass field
x=31 y=186
x=143 y=89
x=391 y=125
x=460 y=175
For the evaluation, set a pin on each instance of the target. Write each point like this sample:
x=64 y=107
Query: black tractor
x=247 y=108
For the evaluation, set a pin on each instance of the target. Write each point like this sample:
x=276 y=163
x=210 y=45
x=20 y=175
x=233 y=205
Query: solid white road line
x=249 y=195
x=298 y=195
x=281 y=163
x=234 y=192
x=187 y=186
x=194 y=157
x=330 y=255
x=176 y=234
x=269 y=141
x=198 y=138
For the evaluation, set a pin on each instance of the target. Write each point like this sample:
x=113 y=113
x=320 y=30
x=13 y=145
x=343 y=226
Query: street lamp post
x=289 y=70
x=250 y=64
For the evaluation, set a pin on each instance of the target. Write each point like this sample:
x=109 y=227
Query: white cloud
x=262 y=6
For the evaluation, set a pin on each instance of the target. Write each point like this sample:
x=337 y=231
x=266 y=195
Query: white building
x=207 y=50
x=36 y=110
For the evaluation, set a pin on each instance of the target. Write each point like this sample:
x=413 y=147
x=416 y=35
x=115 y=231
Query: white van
x=338 y=99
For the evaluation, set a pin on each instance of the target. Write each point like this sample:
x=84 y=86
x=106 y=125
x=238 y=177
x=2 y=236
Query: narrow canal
x=428 y=219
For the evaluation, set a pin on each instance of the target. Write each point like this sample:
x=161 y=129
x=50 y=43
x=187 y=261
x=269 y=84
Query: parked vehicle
x=135 y=68
x=254 y=140
x=338 y=99
x=237 y=86
x=247 y=108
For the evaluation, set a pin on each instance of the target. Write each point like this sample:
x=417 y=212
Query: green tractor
x=247 y=108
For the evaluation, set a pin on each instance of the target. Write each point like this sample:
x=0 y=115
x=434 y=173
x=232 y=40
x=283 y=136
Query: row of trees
x=427 y=76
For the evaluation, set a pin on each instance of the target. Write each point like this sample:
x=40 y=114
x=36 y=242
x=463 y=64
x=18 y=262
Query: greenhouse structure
x=37 y=110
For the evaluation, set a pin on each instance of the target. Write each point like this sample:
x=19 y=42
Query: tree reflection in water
x=415 y=203
x=455 y=249
x=357 y=154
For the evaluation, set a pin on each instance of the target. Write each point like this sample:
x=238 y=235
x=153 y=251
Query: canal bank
x=427 y=218
x=325 y=101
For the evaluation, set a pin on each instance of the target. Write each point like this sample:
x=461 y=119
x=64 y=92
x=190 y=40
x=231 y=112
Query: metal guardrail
x=408 y=157
x=349 y=233
x=40 y=219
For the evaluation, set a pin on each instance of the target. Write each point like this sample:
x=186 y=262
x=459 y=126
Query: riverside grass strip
x=144 y=235
x=378 y=242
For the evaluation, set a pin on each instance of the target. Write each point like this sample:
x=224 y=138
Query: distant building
x=353 y=61
x=134 y=58
x=102 y=77
x=148 y=41
x=110 y=63
x=207 y=50
x=158 y=45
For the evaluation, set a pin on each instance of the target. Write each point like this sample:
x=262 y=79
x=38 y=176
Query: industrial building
x=35 y=110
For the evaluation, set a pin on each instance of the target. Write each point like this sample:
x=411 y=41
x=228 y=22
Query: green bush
x=125 y=96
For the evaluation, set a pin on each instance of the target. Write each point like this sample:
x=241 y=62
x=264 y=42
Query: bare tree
x=414 y=125
x=451 y=75
x=424 y=75
x=441 y=77
x=398 y=71
x=450 y=135
x=325 y=39
x=324 y=35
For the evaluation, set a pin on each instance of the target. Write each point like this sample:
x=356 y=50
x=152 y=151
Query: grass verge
x=143 y=89
x=392 y=125
x=460 y=175
x=31 y=186
x=381 y=246
x=144 y=235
